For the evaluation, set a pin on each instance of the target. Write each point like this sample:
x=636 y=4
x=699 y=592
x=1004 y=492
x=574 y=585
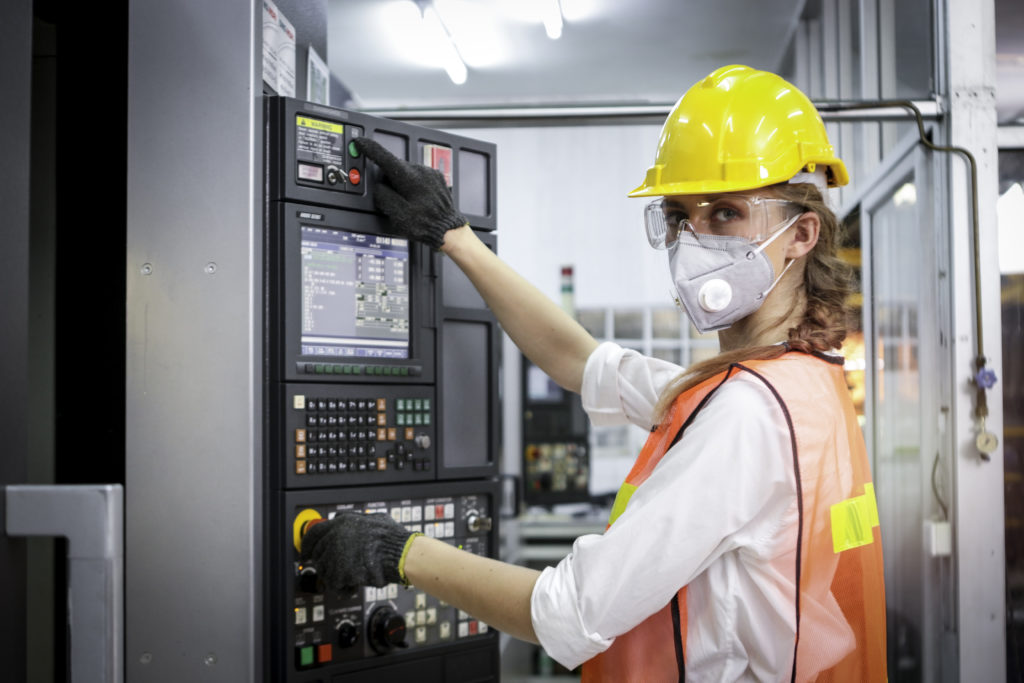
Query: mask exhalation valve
x=714 y=295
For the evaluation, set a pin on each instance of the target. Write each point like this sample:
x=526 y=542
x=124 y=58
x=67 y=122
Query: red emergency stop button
x=354 y=176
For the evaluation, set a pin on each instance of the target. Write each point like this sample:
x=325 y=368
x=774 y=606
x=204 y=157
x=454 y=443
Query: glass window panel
x=911 y=32
x=629 y=324
x=898 y=278
x=592 y=321
x=671 y=355
x=665 y=323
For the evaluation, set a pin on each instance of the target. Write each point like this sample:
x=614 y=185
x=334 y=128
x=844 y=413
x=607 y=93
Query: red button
x=354 y=176
x=473 y=629
x=323 y=653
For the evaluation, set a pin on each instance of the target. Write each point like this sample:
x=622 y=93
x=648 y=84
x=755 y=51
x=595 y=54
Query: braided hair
x=823 y=298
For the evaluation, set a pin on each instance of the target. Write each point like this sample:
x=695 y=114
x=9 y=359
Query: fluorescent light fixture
x=906 y=195
x=553 y=19
x=446 y=48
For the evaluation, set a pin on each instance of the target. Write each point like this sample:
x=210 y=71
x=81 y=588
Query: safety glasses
x=752 y=218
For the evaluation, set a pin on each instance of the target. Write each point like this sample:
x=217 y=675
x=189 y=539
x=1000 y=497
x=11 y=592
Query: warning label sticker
x=319 y=141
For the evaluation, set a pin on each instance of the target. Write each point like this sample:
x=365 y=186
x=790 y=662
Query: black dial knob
x=307 y=580
x=347 y=634
x=386 y=630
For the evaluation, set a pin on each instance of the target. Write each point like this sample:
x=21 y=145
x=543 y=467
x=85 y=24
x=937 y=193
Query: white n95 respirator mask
x=721 y=279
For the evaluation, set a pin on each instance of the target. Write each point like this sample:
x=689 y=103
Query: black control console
x=381 y=395
x=342 y=631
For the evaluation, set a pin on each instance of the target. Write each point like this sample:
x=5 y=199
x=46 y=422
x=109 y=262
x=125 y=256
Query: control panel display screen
x=355 y=294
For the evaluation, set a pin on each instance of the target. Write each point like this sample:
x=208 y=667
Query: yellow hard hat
x=739 y=129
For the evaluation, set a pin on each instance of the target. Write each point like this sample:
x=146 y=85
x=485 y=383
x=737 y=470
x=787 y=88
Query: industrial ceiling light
x=553 y=19
x=439 y=35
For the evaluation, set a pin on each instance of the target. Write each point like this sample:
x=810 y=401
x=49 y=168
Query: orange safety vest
x=838 y=543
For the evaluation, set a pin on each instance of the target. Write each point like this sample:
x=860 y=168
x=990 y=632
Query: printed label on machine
x=319 y=141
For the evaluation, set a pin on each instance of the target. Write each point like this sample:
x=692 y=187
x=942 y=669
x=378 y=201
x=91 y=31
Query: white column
x=967 y=35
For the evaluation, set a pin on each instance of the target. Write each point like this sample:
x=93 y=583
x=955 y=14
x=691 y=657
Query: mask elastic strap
x=765 y=292
x=768 y=241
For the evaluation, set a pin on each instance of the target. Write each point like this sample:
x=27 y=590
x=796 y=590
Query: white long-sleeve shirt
x=714 y=513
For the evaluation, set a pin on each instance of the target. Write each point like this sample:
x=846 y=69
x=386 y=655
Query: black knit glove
x=415 y=198
x=354 y=550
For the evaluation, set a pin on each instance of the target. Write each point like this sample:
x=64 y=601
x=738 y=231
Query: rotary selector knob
x=386 y=630
x=348 y=634
x=476 y=522
x=334 y=175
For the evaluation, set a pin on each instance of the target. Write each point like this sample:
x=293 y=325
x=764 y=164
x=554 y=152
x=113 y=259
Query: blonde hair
x=823 y=295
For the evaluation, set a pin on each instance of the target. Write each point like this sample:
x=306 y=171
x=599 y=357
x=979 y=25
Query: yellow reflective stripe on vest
x=626 y=492
x=853 y=520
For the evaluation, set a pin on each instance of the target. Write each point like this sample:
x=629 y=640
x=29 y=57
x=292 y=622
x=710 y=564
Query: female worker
x=744 y=543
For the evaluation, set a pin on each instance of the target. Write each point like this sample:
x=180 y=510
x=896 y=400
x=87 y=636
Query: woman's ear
x=803 y=235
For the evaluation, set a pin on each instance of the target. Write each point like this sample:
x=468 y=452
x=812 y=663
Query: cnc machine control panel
x=381 y=396
x=329 y=629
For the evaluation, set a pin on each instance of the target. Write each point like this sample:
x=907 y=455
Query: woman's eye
x=724 y=214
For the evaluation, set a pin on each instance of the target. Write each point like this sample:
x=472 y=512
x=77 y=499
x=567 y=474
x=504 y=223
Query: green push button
x=357 y=369
x=306 y=656
x=346 y=369
x=353 y=150
x=404 y=372
x=319 y=368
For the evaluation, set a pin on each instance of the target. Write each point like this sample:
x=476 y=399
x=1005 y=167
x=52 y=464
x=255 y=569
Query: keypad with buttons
x=356 y=432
